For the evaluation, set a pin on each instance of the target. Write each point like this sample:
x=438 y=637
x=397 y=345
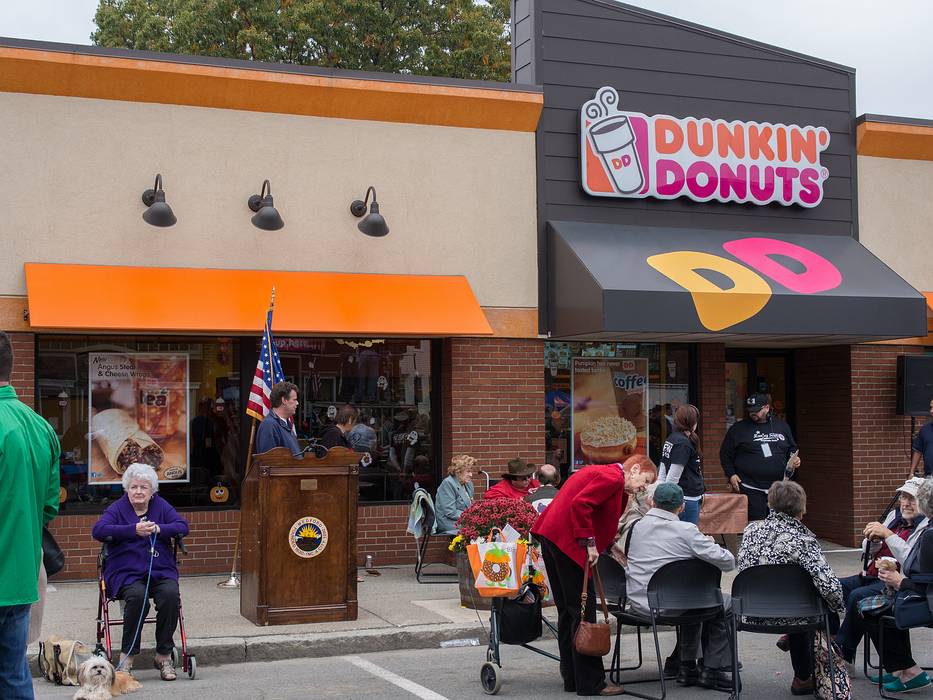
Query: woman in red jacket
x=582 y=521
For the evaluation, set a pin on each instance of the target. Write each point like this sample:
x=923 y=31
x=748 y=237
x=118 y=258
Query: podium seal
x=307 y=537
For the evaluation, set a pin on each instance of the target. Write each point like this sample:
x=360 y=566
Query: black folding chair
x=612 y=575
x=680 y=593
x=428 y=519
x=775 y=591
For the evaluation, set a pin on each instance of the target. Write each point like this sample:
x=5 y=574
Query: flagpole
x=234 y=580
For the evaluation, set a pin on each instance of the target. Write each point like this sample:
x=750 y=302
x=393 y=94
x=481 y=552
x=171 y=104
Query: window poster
x=138 y=413
x=610 y=405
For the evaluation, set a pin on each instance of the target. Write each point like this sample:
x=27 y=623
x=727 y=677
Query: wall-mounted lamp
x=373 y=224
x=157 y=213
x=267 y=216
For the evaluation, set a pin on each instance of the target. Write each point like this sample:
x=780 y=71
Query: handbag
x=911 y=610
x=52 y=555
x=876 y=604
x=825 y=675
x=520 y=618
x=592 y=638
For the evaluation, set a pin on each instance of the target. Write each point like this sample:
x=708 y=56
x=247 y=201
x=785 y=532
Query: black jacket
x=334 y=437
x=757 y=452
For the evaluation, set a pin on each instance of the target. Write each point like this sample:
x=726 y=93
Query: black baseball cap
x=756 y=402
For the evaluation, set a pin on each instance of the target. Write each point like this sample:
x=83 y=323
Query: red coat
x=588 y=505
x=506 y=489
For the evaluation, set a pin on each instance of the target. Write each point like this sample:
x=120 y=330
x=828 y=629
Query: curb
x=214 y=651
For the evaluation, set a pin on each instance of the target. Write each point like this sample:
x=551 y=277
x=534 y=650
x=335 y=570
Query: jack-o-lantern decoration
x=62 y=494
x=496 y=565
x=220 y=493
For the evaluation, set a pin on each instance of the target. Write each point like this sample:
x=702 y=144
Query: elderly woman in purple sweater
x=129 y=525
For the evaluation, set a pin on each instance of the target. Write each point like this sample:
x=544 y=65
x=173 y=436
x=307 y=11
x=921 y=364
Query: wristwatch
x=587 y=541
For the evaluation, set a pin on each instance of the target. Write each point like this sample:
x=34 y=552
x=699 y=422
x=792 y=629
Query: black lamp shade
x=267 y=217
x=157 y=213
x=373 y=224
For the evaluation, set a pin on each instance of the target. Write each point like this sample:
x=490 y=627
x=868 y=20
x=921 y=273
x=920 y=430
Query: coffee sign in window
x=634 y=155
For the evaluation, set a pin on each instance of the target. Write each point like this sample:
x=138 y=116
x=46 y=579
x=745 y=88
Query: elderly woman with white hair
x=912 y=606
x=138 y=527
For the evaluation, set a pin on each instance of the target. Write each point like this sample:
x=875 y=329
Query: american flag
x=268 y=374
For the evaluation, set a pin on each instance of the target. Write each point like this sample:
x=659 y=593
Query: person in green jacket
x=29 y=485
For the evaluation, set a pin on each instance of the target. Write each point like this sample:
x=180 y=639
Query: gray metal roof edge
x=890 y=119
x=702 y=29
x=242 y=64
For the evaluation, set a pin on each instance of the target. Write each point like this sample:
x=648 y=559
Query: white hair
x=925 y=497
x=140 y=472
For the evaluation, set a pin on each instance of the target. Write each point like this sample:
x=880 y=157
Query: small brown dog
x=100 y=682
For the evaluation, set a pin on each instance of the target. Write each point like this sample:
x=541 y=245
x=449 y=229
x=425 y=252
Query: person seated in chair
x=659 y=538
x=782 y=538
x=904 y=674
x=455 y=494
x=541 y=497
x=516 y=483
x=895 y=537
x=130 y=526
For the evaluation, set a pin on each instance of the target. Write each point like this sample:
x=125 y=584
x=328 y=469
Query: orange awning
x=108 y=298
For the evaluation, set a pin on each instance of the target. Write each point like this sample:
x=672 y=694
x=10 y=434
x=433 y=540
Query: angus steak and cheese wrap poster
x=138 y=413
x=610 y=406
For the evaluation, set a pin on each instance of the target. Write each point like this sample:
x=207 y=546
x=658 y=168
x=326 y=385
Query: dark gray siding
x=662 y=65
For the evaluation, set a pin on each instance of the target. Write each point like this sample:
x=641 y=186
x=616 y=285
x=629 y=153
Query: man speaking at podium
x=276 y=428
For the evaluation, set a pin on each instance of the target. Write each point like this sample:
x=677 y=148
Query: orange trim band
x=181 y=300
x=906 y=141
x=137 y=80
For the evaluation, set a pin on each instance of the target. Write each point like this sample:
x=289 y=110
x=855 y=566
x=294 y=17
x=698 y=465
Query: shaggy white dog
x=100 y=682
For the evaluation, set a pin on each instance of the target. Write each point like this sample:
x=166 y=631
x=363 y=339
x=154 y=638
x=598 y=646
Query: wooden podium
x=298 y=534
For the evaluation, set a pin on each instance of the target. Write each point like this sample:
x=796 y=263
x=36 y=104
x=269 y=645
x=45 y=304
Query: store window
x=177 y=404
x=172 y=403
x=620 y=397
x=389 y=382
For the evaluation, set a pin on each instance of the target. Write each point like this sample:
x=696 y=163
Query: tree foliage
x=455 y=38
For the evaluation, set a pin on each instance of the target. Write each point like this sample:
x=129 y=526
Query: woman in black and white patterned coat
x=782 y=538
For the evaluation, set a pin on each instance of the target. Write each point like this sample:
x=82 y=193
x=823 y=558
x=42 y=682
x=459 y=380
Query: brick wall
x=381 y=532
x=24 y=367
x=494 y=401
x=210 y=543
x=711 y=377
x=824 y=433
x=880 y=439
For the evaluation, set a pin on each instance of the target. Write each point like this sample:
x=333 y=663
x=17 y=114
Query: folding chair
x=774 y=591
x=680 y=593
x=422 y=528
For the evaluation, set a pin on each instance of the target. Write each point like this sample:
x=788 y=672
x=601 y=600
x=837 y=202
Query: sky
x=890 y=44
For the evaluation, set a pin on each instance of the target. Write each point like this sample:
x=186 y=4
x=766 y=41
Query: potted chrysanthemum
x=476 y=523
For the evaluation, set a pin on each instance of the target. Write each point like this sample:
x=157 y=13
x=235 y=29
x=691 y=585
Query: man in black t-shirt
x=756 y=452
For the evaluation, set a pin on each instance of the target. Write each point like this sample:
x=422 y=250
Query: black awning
x=650 y=283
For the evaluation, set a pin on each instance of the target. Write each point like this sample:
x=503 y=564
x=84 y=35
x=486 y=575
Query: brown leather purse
x=592 y=638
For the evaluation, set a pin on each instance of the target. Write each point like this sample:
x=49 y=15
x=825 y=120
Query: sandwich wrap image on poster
x=610 y=405
x=138 y=413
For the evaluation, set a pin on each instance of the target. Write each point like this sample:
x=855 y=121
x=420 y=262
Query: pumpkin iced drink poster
x=610 y=397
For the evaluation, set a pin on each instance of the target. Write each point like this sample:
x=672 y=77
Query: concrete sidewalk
x=395 y=612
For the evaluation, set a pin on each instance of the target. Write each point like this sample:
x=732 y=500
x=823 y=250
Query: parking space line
x=386 y=675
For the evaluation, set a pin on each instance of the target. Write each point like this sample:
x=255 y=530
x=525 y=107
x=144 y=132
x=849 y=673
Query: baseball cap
x=755 y=402
x=668 y=496
x=911 y=486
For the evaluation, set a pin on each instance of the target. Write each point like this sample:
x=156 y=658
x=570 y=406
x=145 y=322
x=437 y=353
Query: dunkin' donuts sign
x=630 y=154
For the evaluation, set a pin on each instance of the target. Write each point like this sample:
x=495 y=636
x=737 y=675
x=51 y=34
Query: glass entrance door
x=759 y=371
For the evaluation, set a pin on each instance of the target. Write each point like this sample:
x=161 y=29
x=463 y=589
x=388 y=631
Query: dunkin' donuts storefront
x=697 y=207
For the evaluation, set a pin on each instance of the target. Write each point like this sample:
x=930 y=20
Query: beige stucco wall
x=896 y=215
x=458 y=201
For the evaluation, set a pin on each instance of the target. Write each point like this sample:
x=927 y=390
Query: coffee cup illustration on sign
x=614 y=140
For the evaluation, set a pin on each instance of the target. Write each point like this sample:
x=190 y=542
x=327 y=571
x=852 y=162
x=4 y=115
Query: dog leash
x=142 y=613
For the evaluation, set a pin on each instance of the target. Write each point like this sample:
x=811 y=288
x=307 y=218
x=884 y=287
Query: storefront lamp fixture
x=157 y=213
x=267 y=216
x=373 y=223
